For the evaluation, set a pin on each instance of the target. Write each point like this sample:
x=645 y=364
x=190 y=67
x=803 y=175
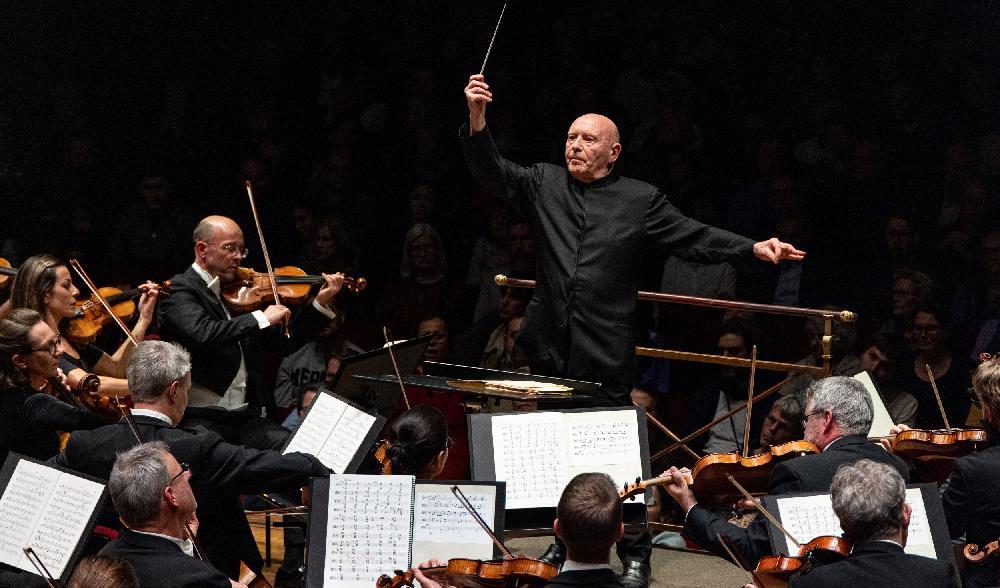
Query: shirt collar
x=212 y=283
x=152 y=413
x=576 y=566
x=185 y=545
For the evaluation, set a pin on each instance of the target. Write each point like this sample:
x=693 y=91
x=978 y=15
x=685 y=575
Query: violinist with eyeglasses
x=228 y=395
x=837 y=418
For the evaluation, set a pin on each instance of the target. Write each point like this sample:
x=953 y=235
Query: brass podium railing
x=828 y=316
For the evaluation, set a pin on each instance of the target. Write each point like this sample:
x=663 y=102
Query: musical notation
x=332 y=431
x=439 y=518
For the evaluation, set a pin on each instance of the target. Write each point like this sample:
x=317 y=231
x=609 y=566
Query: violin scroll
x=974 y=553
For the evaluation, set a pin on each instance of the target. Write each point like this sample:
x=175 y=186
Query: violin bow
x=761 y=509
x=746 y=430
x=395 y=366
x=669 y=433
x=490 y=48
x=937 y=396
x=475 y=515
x=263 y=248
x=43 y=571
x=107 y=308
x=732 y=555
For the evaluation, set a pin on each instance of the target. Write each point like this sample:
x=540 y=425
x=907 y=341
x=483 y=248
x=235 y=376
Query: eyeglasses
x=929 y=329
x=185 y=467
x=437 y=335
x=231 y=249
x=807 y=416
x=52 y=347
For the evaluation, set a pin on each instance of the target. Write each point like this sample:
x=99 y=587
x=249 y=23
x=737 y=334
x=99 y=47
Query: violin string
x=475 y=515
x=746 y=430
x=937 y=396
x=761 y=509
x=263 y=248
x=90 y=284
x=395 y=366
x=490 y=48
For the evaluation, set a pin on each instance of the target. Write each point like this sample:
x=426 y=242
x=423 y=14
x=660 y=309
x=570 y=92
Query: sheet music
x=603 y=437
x=367 y=528
x=881 y=420
x=47 y=510
x=332 y=431
x=440 y=518
x=529 y=453
x=808 y=517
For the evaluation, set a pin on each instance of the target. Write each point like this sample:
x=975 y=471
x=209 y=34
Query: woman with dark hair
x=44 y=284
x=418 y=443
x=930 y=334
x=30 y=419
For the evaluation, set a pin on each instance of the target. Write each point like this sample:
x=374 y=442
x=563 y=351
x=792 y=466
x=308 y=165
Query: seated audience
x=879 y=360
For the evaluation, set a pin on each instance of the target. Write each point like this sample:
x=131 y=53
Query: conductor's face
x=592 y=147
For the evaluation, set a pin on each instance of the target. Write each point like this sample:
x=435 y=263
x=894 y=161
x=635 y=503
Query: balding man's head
x=219 y=246
x=592 y=147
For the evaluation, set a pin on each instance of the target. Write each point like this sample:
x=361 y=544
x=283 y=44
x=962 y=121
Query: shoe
x=636 y=574
x=290 y=578
x=555 y=554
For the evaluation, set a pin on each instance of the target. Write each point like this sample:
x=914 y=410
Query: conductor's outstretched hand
x=774 y=250
x=477 y=95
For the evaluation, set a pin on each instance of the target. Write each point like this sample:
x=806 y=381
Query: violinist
x=227 y=349
x=159 y=375
x=869 y=498
x=589 y=522
x=970 y=499
x=45 y=285
x=838 y=415
x=152 y=493
x=30 y=416
x=419 y=443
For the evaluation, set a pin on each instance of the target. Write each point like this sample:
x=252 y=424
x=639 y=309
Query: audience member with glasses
x=44 y=284
x=31 y=415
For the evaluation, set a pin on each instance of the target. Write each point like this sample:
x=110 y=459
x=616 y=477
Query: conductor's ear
x=616 y=150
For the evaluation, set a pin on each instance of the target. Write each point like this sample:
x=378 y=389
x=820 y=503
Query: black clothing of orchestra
x=882 y=564
x=220 y=473
x=581 y=320
x=16 y=578
x=600 y=578
x=30 y=422
x=810 y=473
x=971 y=507
x=90 y=354
x=160 y=563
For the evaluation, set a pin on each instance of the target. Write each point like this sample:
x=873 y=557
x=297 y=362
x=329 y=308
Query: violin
x=775 y=570
x=251 y=289
x=7 y=273
x=91 y=316
x=517 y=570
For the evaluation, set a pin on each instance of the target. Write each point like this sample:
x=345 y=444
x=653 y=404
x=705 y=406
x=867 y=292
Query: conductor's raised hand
x=477 y=96
x=775 y=250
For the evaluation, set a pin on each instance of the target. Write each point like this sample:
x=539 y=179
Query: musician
x=838 y=415
x=227 y=349
x=152 y=493
x=45 y=285
x=159 y=375
x=869 y=498
x=592 y=225
x=970 y=498
x=419 y=443
x=589 y=521
x=103 y=570
x=30 y=420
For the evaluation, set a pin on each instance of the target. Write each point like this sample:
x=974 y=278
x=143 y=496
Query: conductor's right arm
x=477 y=95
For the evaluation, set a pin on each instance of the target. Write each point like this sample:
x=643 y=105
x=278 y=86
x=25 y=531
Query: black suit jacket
x=971 y=507
x=160 y=563
x=194 y=317
x=882 y=564
x=582 y=317
x=602 y=578
x=220 y=473
x=810 y=473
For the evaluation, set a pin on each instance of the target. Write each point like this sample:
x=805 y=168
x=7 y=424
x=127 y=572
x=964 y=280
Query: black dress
x=30 y=422
x=954 y=389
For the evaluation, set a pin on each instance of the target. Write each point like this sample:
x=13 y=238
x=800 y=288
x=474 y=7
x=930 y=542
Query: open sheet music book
x=538 y=453
x=337 y=432
x=881 y=421
x=48 y=509
x=364 y=526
